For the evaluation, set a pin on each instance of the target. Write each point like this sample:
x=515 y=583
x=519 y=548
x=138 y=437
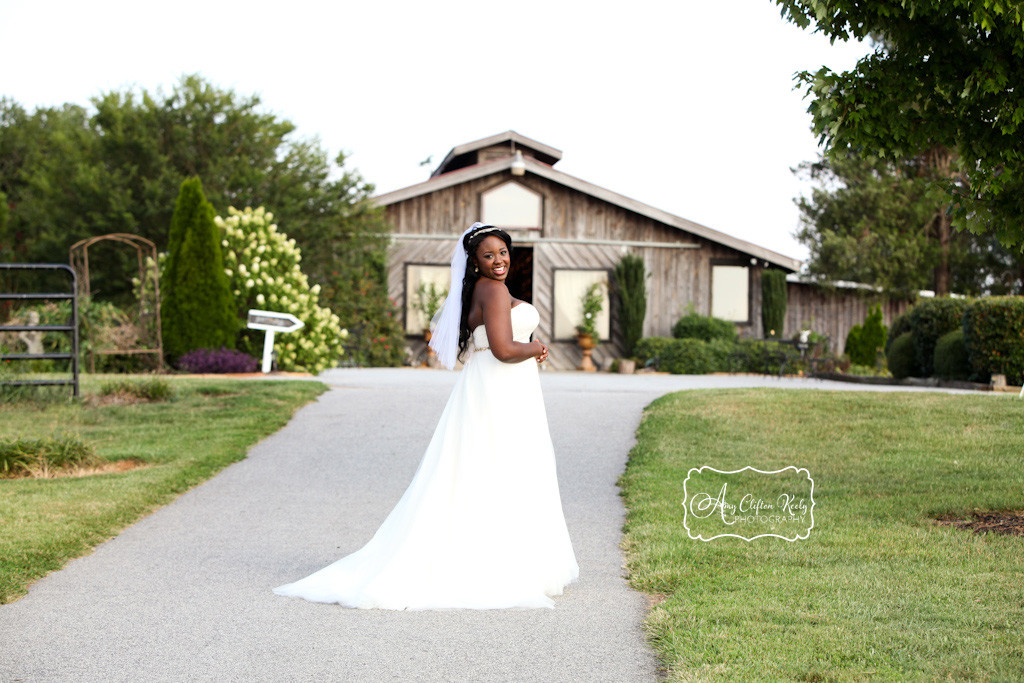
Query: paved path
x=184 y=594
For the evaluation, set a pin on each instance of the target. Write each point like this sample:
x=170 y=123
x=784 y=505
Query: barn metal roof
x=463 y=155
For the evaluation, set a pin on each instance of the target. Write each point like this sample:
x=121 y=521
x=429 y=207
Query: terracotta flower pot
x=587 y=344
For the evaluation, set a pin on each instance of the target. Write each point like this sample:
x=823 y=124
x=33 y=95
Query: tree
x=631 y=294
x=878 y=222
x=773 y=302
x=73 y=172
x=944 y=80
x=262 y=265
x=197 y=310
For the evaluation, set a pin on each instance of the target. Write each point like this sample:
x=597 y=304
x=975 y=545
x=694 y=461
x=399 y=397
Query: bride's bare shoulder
x=487 y=291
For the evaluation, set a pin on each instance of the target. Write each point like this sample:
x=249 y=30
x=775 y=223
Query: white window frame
x=567 y=306
x=416 y=273
x=514 y=219
x=730 y=292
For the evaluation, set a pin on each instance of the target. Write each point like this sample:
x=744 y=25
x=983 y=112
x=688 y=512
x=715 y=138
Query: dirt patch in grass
x=112 y=467
x=1008 y=522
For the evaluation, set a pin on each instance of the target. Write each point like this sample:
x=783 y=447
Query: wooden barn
x=567 y=234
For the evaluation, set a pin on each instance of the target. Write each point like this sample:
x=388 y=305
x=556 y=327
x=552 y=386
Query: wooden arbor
x=127 y=337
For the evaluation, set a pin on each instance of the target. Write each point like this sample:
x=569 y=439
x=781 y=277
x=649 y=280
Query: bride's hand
x=543 y=355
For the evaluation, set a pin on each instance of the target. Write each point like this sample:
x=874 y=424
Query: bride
x=481 y=524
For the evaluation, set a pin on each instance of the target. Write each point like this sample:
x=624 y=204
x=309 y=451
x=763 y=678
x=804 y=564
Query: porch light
x=518 y=164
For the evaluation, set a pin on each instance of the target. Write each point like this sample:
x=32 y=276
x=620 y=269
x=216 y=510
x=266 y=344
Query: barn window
x=730 y=293
x=570 y=286
x=511 y=205
x=415 y=276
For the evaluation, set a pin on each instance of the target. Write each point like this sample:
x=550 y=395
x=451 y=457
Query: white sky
x=687 y=106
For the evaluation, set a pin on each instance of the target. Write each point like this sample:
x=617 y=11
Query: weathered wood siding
x=834 y=311
x=679 y=276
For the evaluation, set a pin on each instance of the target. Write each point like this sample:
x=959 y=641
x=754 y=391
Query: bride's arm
x=496 y=305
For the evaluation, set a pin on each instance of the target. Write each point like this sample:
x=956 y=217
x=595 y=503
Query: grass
x=148 y=389
x=878 y=590
x=205 y=426
x=20 y=457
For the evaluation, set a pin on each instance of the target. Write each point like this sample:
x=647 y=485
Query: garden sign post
x=271 y=322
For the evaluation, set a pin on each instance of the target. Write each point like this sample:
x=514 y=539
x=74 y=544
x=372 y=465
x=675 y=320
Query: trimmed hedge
x=695 y=357
x=704 y=327
x=649 y=348
x=686 y=356
x=929 y=320
x=951 y=356
x=994 y=337
x=902 y=358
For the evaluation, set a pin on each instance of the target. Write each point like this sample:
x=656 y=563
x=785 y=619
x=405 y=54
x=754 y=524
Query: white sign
x=271 y=322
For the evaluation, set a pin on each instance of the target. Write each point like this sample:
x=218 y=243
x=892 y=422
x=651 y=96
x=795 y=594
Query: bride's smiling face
x=493 y=259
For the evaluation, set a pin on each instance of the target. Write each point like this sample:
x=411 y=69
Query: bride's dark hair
x=470 y=242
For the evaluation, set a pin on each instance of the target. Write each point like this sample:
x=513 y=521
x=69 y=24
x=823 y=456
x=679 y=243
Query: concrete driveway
x=184 y=594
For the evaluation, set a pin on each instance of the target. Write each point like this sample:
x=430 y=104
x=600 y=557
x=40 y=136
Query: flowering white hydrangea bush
x=262 y=265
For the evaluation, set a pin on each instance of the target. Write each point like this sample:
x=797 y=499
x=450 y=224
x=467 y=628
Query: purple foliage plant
x=221 y=360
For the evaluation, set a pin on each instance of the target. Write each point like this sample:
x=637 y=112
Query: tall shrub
x=773 y=302
x=853 y=347
x=631 y=294
x=196 y=310
x=929 y=320
x=864 y=342
x=994 y=337
x=263 y=266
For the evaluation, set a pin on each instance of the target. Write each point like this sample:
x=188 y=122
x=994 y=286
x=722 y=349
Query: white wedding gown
x=481 y=524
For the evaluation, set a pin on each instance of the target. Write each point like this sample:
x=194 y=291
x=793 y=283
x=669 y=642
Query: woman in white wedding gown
x=481 y=524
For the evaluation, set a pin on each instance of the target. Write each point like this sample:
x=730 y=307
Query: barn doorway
x=520 y=277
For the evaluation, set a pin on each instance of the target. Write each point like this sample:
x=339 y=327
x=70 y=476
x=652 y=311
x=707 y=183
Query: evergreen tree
x=631 y=293
x=773 y=302
x=197 y=310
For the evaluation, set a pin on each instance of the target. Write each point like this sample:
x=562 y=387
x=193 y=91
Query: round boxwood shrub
x=704 y=327
x=929 y=320
x=951 y=356
x=900 y=324
x=902 y=358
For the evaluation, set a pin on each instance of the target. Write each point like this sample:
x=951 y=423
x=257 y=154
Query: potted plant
x=586 y=331
x=428 y=301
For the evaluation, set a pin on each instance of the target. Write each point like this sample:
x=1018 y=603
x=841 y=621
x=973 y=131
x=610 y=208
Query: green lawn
x=878 y=590
x=208 y=424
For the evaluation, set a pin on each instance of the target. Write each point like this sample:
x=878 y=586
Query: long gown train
x=481 y=524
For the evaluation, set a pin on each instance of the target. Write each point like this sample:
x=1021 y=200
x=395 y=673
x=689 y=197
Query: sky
x=690 y=107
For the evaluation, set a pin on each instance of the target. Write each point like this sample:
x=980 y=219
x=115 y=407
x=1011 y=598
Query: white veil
x=444 y=336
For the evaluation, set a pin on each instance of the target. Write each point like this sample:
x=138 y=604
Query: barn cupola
x=500 y=146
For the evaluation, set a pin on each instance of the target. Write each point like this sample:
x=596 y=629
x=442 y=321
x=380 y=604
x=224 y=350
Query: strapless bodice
x=525 y=319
